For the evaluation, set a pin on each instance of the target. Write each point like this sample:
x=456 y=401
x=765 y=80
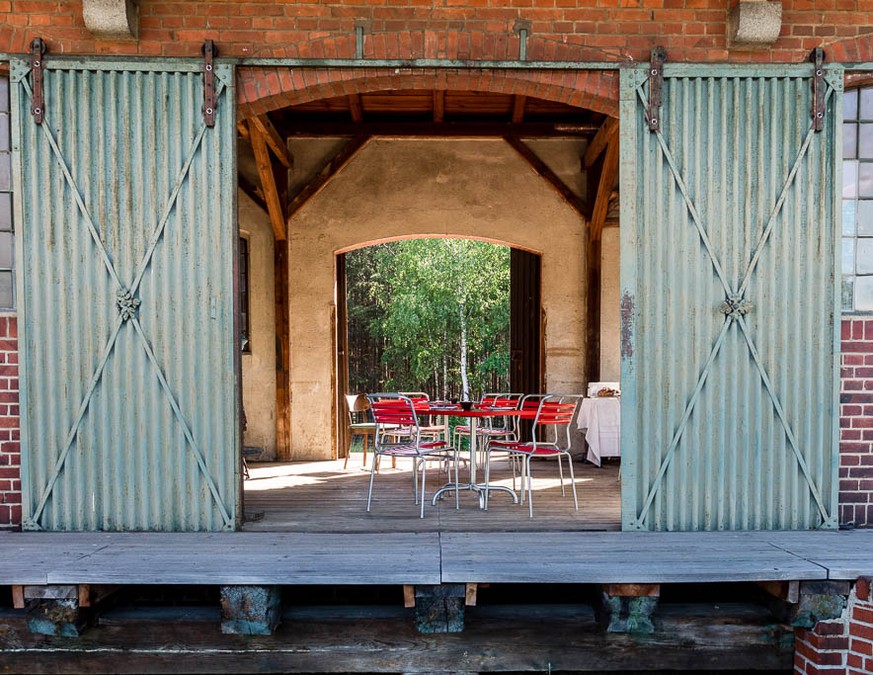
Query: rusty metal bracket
x=37 y=64
x=819 y=87
x=209 y=54
x=656 y=86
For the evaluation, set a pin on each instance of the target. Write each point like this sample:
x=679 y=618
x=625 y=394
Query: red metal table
x=473 y=415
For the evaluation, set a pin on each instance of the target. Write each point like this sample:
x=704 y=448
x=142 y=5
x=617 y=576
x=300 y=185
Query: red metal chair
x=550 y=438
x=393 y=412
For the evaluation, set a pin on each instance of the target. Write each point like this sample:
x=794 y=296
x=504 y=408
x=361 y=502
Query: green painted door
x=125 y=245
x=729 y=260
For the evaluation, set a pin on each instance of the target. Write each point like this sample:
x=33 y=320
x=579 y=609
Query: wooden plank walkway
x=38 y=558
x=655 y=557
x=322 y=497
x=431 y=558
x=314 y=530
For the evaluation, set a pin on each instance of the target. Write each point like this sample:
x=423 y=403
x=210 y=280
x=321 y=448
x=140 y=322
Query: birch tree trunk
x=462 y=311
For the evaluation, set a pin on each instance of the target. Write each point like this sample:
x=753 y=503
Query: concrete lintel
x=754 y=23
x=111 y=19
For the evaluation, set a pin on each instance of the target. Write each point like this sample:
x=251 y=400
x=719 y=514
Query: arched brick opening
x=264 y=89
x=850 y=50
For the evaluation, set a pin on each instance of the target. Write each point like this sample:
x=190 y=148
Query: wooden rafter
x=243 y=129
x=601 y=139
x=518 y=102
x=255 y=193
x=268 y=182
x=604 y=189
x=275 y=142
x=439 y=105
x=356 y=107
x=327 y=171
x=550 y=176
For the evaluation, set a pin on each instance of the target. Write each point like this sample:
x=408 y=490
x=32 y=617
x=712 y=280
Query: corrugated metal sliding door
x=729 y=344
x=126 y=212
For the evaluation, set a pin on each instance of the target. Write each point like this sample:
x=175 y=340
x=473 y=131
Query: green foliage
x=409 y=303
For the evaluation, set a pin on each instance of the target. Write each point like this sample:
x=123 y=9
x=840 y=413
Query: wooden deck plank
x=315 y=530
x=225 y=559
x=626 y=557
x=846 y=554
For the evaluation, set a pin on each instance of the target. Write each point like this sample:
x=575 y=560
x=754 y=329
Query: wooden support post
x=803 y=604
x=283 y=350
x=787 y=591
x=55 y=610
x=628 y=608
x=91 y=595
x=18 y=597
x=608 y=176
x=250 y=610
x=409 y=596
x=472 y=592
x=440 y=609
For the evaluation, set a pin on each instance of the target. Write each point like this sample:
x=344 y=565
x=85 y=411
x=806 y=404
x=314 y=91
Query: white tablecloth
x=601 y=419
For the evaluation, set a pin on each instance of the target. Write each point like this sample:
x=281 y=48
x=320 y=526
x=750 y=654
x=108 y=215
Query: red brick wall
x=594 y=30
x=10 y=448
x=856 y=422
x=822 y=649
x=860 y=656
x=844 y=645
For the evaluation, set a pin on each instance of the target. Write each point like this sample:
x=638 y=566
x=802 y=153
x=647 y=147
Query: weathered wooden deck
x=313 y=529
x=290 y=558
x=342 y=573
x=323 y=497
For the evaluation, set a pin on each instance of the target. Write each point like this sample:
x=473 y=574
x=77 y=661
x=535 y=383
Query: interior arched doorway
x=500 y=300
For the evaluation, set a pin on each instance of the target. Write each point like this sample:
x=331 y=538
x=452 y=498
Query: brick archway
x=264 y=89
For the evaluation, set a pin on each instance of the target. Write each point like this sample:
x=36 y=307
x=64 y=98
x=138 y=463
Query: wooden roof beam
x=439 y=106
x=275 y=142
x=329 y=126
x=255 y=193
x=268 y=181
x=550 y=176
x=356 y=107
x=518 y=102
x=608 y=175
x=327 y=171
x=601 y=139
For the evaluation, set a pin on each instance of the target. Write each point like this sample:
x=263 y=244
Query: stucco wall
x=401 y=188
x=259 y=366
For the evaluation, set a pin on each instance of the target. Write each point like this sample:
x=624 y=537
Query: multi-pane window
x=7 y=251
x=245 y=336
x=857 y=244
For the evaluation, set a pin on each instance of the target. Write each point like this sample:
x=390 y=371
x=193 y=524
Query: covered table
x=600 y=417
